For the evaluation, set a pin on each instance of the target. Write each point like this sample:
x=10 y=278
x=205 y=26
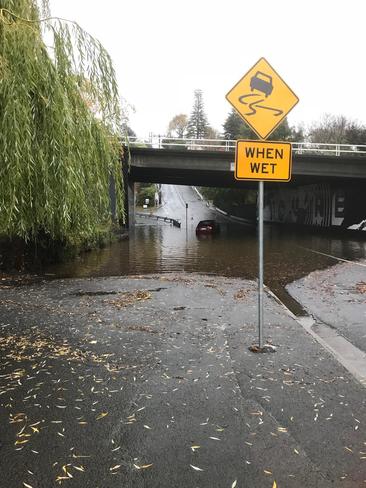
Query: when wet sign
x=263 y=161
x=262 y=98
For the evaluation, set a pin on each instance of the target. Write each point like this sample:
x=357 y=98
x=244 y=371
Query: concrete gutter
x=350 y=356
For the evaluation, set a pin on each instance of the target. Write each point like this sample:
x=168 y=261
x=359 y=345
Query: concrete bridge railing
x=163 y=142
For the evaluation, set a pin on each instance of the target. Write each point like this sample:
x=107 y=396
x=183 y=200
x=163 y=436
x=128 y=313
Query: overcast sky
x=163 y=50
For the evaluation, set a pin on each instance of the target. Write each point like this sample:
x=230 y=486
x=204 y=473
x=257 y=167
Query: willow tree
x=59 y=126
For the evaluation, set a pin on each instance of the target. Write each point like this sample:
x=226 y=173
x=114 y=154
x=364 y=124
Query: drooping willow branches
x=60 y=123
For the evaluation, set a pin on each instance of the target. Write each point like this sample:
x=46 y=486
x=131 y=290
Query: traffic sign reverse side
x=263 y=161
x=262 y=98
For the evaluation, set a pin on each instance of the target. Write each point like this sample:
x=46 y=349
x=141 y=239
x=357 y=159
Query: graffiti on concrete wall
x=318 y=205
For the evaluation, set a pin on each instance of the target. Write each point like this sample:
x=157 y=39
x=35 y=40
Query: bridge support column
x=129 y=191
x=131 y=204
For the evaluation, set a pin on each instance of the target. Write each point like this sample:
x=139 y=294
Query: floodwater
x=158 y=247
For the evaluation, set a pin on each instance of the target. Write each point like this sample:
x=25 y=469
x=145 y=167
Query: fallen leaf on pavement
x=101 y=415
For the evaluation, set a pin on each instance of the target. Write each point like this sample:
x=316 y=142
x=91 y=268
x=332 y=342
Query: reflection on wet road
x=157 y=247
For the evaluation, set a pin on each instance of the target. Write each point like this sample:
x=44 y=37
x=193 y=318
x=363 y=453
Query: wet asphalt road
x=337 y=297
x=148 y=382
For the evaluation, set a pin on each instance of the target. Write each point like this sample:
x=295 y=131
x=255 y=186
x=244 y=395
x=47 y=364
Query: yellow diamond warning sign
x=262 y=98
x=263 y=161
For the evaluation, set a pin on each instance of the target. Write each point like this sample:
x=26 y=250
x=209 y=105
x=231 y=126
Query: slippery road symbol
x=262 y=83
x=258 y=99
x=262 y=98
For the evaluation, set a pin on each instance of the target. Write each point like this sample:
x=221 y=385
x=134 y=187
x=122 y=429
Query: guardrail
x=163 y=142
x=175 y=222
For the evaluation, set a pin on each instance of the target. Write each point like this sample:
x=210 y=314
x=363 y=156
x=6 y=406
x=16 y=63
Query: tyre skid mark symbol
x=255 y=104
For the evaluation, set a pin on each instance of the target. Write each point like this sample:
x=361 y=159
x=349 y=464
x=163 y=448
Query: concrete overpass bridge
x=326 y=177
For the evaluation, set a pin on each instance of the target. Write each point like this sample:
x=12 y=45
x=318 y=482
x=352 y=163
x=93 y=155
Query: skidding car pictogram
x=261 y=82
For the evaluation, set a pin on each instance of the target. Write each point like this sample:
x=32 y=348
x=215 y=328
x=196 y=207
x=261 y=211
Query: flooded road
x=158 y=247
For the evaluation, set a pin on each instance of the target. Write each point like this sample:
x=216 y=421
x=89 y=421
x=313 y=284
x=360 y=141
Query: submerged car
x=207 y=227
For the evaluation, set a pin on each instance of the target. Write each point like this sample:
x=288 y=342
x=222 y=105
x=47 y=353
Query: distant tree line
x=337 y=129
x=330 y=129
x=235 y=128
x=196 y=126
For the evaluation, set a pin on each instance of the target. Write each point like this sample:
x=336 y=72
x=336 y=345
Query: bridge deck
x=215 y=167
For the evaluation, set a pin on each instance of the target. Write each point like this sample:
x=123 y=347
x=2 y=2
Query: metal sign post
x=260 y=262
